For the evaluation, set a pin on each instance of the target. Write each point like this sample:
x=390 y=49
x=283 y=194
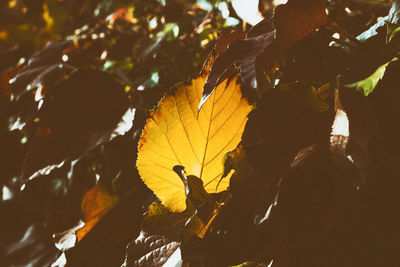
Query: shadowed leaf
x=159 y=218
x=150 y=250
x=80 y=113
x=266 y=41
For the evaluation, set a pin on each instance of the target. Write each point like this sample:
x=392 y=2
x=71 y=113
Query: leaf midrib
x=208 y=135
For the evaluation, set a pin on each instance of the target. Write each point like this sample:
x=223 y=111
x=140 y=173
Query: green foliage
x=368 y=85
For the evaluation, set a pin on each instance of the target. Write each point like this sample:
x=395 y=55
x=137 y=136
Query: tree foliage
x=143 y=133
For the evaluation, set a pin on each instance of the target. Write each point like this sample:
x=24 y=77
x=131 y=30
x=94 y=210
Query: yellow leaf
x=178 y=134
x=95 y=204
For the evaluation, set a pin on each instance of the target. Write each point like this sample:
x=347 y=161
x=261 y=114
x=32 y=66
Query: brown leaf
x=296 y=19
x=225 y=38
x=42 y=154
x=150 y=250
x=95 y=204
x=80 y=113
x=266 y=41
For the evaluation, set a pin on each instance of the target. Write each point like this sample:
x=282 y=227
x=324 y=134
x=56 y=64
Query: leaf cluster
x=313 y=182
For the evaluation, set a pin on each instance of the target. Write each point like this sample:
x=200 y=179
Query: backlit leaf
x=95 y=204
x=368 y=84
x=178 y=134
